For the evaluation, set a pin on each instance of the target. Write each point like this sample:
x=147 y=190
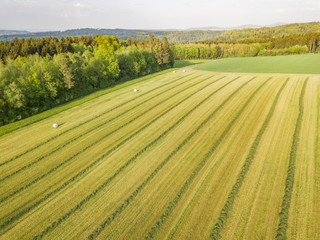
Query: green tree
x=108 y=43
x=63 y=61
x=13 y=96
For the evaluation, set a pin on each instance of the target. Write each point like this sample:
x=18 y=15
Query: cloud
x=66 y=14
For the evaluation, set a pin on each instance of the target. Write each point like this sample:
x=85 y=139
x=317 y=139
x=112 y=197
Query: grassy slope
x=257 y=207
x=303 y=213
x=308 y=63
x=217 y=175
x=124 y=153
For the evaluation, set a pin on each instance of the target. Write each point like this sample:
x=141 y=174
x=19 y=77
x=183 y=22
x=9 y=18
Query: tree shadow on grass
x=186 y=63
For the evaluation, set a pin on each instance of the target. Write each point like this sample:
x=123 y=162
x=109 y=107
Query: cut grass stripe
x=317 y=139
x=41 y=116
x=52 y=170
x=87 y=121
x=126 y=202
x=286 y=201
x=224 y=213
x=106 y=182
x=82 y=172
x=172 y=205
x=105 y=123
x=317 y=136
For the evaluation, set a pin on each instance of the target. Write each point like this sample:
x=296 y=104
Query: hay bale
x=55 y=125
x=174 y=71
x=183 y=70
x=135 y=90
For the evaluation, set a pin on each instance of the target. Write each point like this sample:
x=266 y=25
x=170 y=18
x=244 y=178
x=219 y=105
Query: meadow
x=191 y=155
x=305 y=63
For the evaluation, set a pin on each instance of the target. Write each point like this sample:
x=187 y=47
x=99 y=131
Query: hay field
x=191 y=155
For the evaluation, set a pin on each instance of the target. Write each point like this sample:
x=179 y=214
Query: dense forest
x=43 y=46
x=122 y=34
x=32 y=81
x=286 y=45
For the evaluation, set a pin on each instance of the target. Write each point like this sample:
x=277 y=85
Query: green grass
x=216 y=232
x=285 y=206
x=307 y=63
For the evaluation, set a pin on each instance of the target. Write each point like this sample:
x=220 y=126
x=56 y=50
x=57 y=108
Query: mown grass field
x=191 y=155
x=307 y=63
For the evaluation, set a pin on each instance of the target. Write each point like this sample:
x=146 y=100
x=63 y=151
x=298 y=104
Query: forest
x=38 y=74
x=251 y=47
x=210 y=49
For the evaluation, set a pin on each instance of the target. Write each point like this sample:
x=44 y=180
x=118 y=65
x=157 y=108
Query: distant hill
x=277 y=31
x=276 y=24
x=189 y=35
x=173 y=36
x=12 y=32
x=214 y=28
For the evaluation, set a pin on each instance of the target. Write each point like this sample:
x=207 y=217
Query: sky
x=45 y=15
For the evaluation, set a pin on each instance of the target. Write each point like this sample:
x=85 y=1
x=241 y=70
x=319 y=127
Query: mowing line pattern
x=105 y=183
x=317 y=163
x=171 y=206
x=317 y=136
x=126 y=202
x=103 y=124
x=285 y=206
x=82 y=172
x=87 y=121
x=82 y=151
x=224 y=213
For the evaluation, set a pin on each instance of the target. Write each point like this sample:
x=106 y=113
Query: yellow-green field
x=191 y=155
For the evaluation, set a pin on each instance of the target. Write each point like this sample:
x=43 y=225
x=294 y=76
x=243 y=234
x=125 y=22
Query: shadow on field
x=186 y=63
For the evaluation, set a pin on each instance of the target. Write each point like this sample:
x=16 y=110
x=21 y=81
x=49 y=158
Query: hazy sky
x=149 y=14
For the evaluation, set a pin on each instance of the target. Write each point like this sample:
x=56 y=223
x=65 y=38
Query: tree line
x=311 y=40
x=42 y=46
x=34 y=83
x=286 y=45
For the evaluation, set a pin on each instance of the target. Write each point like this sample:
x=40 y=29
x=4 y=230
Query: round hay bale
x=55 y=125
x=174 y=71
x=183 y=70
x=135 y=90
